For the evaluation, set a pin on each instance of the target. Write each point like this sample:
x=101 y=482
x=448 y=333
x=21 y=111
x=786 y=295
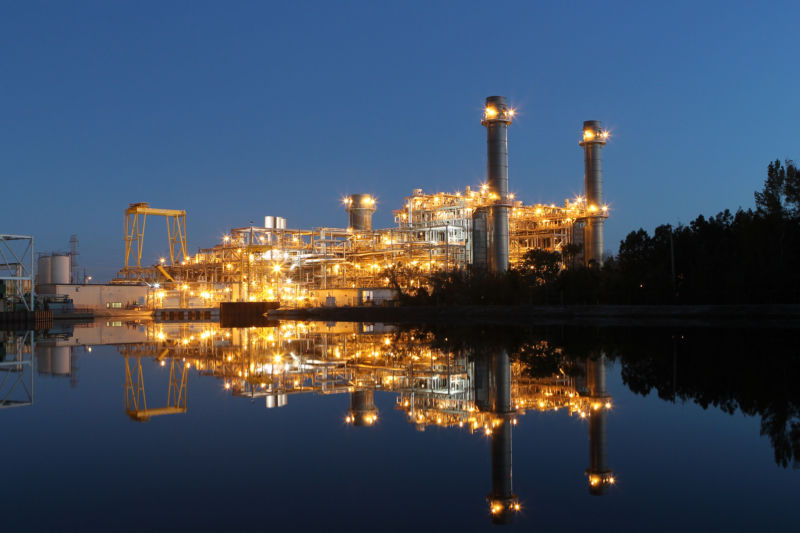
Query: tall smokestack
x=600 y=475
x=360 y=208
x=497 y=117
x=503 y=503
x=594 y=138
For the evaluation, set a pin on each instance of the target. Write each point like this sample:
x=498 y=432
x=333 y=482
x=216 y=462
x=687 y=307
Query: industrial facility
x=481 y=228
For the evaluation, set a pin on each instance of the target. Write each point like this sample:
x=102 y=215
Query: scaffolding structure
x=433 y=232
x=16 y=368
x=16 y=273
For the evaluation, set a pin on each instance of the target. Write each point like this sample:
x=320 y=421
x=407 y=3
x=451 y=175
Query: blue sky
x=233 y=111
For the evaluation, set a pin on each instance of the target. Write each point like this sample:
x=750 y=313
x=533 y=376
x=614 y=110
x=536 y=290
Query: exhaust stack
x=360 y=208
x=594 y=138
x=497 y=117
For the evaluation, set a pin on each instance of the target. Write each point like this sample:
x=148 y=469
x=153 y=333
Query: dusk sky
x=234 y=110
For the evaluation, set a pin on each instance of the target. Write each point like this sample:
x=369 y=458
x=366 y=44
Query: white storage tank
x=280 y=223
x=269 y=222
x=60 y=269
x=43 y=266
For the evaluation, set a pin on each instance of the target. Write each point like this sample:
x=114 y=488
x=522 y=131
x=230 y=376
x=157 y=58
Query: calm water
x=315 y=426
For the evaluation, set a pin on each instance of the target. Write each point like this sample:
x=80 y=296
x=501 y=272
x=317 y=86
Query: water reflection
x=16 y=368
x=478 y=381
x=479 y=388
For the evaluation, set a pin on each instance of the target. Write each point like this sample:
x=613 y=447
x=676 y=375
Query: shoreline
x=766 y=315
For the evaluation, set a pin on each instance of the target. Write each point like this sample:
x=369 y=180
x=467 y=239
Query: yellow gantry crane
x=135 y=221
x=135 y=396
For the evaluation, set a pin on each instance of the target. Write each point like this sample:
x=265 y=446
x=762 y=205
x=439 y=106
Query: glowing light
x=588 y=134
x=490 y=112
x=162 y=260
x=276 y=268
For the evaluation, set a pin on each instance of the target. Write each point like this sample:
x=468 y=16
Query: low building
x=100 y=299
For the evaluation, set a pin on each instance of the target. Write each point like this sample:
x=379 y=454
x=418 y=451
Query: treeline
x=751 y=256
x=752 y=372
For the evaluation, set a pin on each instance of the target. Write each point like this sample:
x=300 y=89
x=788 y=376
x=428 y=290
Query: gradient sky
x=233 y=110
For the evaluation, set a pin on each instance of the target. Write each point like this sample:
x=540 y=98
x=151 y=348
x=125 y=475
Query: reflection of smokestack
x=497 y=117
x=503 y=503
x=360 y=208
x=362 y=408
x=600 y=476
x=594 y=138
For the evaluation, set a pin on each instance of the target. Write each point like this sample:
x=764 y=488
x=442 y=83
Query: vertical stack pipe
x=360 y=208
x=594 y=138
x=362 y=408
x=496 y=118
x=502 y=500
x=600 y=476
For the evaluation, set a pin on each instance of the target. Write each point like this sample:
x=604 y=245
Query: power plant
x=480 y=228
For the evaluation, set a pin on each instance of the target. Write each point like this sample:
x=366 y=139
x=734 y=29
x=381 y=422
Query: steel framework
x=16 y=369
x=135 y=394
x=16 y=266
x=135 y=222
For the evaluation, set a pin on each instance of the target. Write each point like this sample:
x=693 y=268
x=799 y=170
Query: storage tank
x=60 y=360
x=60 y=269
x=280 y=223
x=43 y=267
x=269 y=222
x=43 y=359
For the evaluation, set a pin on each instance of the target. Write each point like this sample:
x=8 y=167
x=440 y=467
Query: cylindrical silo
x=594 y=138
x=360 y=208
x=60 y=360
x=43 y=359
x=269 y=222
x=497 y=117
x=43 y=267
x=60 y=268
